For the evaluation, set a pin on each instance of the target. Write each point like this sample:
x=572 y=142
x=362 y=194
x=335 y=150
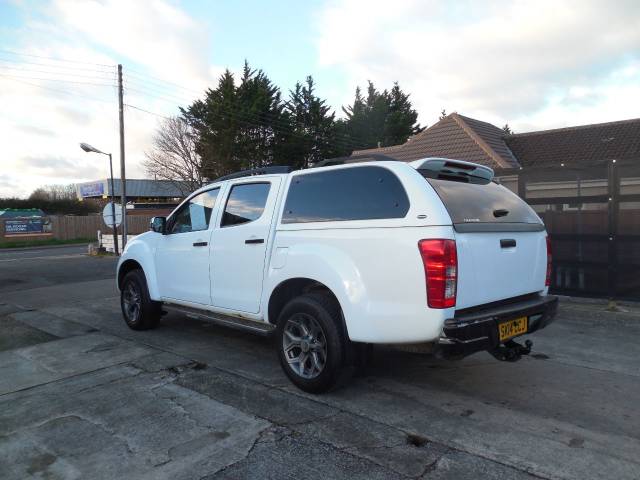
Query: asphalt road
x=26 y=268
x=82 y=396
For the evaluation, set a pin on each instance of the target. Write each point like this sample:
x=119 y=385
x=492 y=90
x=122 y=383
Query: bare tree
x=54 y=192
x=173 y=156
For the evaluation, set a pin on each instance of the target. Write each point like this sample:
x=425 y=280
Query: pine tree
x=245 y=123
x=238 y=126
x=217 y=127
x=312 y=137
x=400 y=121
x=507 y=129
x=382 y=119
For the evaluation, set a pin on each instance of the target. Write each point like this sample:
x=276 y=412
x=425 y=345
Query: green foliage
x=238 y=125
x=313 y=132
x=382 y=118
x=245 y=123
x=52 y=206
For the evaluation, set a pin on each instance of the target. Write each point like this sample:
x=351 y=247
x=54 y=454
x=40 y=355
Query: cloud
x=59 y=167
x=35 y=130
x=45 y=120
x=6 y=181
x=500 y=61
x=154 y=34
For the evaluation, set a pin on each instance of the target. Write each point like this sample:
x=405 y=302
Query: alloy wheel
x=304 y=345
x=132 y=300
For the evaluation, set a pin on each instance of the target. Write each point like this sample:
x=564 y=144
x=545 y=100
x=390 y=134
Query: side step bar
x=253 y=326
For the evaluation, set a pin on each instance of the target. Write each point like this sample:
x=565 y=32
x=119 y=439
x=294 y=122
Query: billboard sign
x=95 y=189
x=24 y=226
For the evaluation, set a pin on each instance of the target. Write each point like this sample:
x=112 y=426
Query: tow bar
x=511 y=351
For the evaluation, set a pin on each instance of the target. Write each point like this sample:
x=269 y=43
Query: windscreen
x=484 y=206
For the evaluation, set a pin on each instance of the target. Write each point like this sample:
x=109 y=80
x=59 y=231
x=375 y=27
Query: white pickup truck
x=334 y=258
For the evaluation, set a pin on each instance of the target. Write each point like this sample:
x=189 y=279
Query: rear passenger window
x=358 y=193
x=245 y=204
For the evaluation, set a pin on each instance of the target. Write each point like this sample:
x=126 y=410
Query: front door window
x=194 y=215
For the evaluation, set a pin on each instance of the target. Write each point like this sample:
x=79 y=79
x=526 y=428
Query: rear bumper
x=477 y=329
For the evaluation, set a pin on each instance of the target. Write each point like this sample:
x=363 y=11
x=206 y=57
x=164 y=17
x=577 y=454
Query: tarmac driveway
x=82 y=396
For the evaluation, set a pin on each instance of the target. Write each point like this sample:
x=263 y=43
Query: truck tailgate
x=494 y=266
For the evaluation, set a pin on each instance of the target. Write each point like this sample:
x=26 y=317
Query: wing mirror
x=159 y=224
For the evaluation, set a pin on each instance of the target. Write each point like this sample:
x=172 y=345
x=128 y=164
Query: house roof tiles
x=465 y=138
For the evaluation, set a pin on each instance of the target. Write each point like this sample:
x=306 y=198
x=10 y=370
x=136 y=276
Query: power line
x=282 y=126
x=151 y=87
x=53 y=65
x=75 y=94
x=28 y=70
x=11 y=52
x=276 y=130
x=246 y=117
x=166 y=97
x=162 y=86
x=141 y=87
x=140 y=74
x=58 y=80
x=146 y=111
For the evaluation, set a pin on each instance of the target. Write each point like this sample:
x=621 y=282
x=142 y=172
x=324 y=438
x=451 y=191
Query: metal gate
x=592 y=215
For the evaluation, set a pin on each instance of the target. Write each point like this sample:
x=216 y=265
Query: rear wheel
x=311 y=343
x=138 y=310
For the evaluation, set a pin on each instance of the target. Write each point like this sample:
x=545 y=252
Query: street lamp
x=88 y=148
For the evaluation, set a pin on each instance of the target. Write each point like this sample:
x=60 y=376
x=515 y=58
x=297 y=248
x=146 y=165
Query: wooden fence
x=69 y=227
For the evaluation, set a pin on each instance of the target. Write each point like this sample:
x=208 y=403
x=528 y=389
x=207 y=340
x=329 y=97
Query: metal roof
x=21 y=212
x=135 y=188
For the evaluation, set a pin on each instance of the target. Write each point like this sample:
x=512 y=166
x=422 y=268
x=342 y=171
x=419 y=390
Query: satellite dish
x=107 y=215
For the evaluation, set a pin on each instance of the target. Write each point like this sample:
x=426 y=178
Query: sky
x=532 y=64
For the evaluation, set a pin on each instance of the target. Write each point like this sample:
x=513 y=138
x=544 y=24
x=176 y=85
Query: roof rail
x=371 y=157
x=256 y=171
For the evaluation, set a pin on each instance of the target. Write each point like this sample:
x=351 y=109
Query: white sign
x=107 y=215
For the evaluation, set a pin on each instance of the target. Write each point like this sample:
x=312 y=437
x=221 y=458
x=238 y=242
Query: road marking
x=52 y=257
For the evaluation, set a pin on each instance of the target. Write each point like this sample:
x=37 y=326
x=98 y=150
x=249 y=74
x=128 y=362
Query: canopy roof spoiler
x=449 y=168
x=370 y=157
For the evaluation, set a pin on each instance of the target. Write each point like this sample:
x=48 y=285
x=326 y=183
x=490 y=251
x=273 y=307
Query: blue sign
x=92 y=189
x=24 y=226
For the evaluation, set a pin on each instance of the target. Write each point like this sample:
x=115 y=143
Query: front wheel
x=310 y=342
x=138 y=310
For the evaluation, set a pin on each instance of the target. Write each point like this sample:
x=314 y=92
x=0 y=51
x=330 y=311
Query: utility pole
x=123 y=180
x=113 y=210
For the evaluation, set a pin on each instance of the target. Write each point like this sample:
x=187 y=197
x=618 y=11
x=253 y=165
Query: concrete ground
x=82 y=396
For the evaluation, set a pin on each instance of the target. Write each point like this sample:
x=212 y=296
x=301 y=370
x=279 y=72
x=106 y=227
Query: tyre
x=138 y=310
x=311 y=343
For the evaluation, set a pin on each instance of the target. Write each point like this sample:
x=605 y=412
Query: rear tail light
x=547 y=282
x=440 y=261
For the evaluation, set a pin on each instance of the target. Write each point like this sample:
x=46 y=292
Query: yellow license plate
x=512 y=328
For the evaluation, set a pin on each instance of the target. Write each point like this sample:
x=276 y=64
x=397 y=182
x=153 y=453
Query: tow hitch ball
x=511 y=350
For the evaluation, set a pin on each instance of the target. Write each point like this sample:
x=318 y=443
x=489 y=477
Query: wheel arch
x=126 y=267
x=294 y=287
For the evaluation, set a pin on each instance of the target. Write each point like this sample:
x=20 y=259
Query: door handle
x=507 y=243
x=254 y=240
x=200 y=244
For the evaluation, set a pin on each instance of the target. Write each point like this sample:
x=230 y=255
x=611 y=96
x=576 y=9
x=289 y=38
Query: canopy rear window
x=484 y=206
